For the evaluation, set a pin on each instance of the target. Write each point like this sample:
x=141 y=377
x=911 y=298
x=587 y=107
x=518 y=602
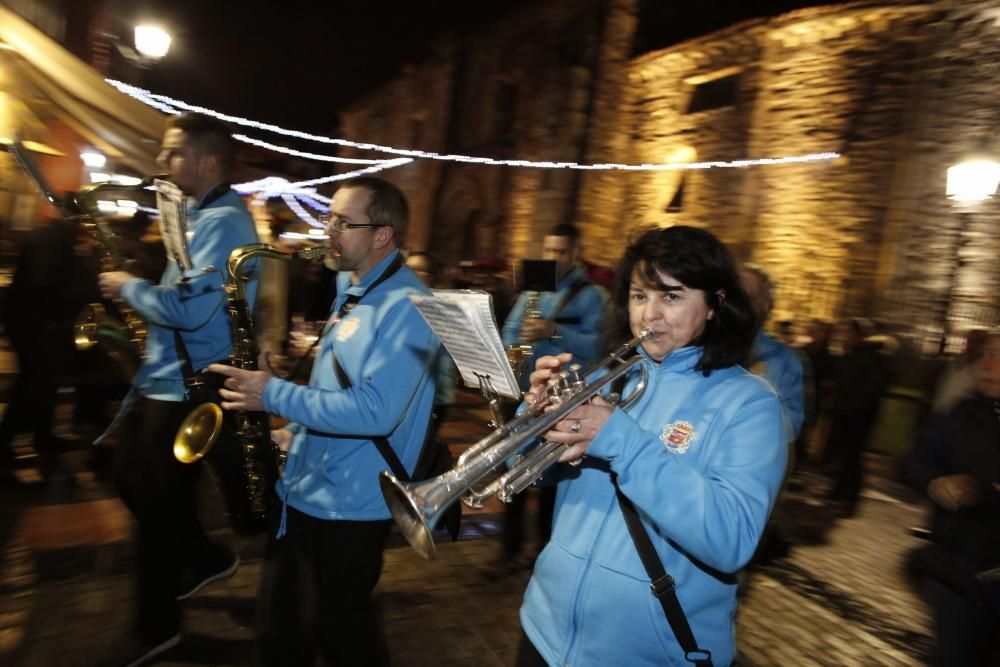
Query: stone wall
x=900 y=89
x=945 y=268
x=824 y=79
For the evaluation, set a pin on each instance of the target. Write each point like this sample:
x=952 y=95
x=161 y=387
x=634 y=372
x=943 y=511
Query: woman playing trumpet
x=699 y=457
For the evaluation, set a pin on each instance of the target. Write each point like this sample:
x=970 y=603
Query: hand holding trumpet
x=578 y=428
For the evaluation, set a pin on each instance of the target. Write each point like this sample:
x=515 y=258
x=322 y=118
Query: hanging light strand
x=156 y=100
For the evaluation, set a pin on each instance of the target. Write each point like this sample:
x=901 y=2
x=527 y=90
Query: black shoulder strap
x=349 y=303
x=662 y=584
x=382 y=443
x=577 y=287
x=384 y=448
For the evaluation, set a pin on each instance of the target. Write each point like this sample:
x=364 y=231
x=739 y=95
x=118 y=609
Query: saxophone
x=519 y=354
x=123 y=339
x=245 y=460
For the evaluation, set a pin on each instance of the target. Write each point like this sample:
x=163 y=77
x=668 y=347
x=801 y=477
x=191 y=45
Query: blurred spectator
x=959 y=378
x=818 y=384
x=956 y=460
x=48 y=290
x=776 y=362
x=860 y=377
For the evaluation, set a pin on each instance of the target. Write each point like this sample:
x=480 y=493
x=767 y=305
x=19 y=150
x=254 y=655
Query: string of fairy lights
x=298 y=195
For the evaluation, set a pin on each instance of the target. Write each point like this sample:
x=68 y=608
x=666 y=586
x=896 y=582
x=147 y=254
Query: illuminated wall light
x=973 y=180
x=317 y=233
x=127 y=203
x=106 y=206
x=121 y=179
x=99 y=177
x=92 y=159
x=156 y=100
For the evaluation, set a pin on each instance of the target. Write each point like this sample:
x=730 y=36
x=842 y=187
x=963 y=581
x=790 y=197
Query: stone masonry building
x=902 y=90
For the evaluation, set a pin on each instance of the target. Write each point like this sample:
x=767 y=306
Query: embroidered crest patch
x=678 y=436
x=347 y=329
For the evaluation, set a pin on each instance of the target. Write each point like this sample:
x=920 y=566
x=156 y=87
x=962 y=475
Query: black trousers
x=33 y=399
x=161 y=494
x=315 y=593
x=527 y=654
x=513 y=527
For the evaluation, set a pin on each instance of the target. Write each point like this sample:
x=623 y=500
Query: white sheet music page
x=173 y=222
x=463 y=320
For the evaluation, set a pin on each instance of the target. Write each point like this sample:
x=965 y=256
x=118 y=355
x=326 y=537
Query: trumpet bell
x=198 y=432
x=407 y=514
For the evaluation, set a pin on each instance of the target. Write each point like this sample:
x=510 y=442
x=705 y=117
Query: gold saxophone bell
x=198 y=432
x=85 y=329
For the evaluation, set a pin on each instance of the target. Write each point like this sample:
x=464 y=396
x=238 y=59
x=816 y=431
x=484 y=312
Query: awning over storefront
x=40 y=80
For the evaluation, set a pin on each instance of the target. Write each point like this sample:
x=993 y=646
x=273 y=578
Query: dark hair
x=387 y=205
x=700 y=261
x=208 y=136
x=567 y=229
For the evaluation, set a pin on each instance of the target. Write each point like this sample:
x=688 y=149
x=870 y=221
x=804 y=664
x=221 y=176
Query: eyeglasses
x=340 y=225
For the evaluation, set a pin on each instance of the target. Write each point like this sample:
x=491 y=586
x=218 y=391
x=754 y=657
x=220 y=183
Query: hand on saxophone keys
x=243 y=389
x=111 y=283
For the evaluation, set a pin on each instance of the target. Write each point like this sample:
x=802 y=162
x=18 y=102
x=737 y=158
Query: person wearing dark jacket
x=956 y=461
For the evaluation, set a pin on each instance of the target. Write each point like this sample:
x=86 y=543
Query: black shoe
x=133 y=651
x=195 y=579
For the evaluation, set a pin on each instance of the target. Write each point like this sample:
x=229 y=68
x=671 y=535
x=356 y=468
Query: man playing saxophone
x=567 y=320
x=186 y=313
x=371 y=391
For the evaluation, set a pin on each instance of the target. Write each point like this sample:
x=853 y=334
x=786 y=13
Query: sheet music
x=173 y=222
x=463 y=320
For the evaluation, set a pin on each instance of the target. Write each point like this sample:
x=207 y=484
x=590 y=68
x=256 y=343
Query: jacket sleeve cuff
x=609 y=441
x=132 y=290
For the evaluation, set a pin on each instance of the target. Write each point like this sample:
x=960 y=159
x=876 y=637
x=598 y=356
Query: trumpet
x=417 y=506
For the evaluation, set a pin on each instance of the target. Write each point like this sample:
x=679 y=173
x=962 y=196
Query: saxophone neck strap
x=349 y=303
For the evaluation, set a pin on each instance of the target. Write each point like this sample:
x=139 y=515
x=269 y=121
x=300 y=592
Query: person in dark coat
x=40 y=308
x=956 y=461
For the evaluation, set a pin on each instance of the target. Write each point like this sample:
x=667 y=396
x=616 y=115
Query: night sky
x=293 y=63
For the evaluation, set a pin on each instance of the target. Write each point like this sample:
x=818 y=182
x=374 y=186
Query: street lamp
x=151 y=41
x=151 y=44
x=970 y=182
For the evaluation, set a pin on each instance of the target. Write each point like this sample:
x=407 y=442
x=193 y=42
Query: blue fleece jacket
x=702 y=459
x=780 y=365
x=387 y=350
x=196 y=304
x=577 y=324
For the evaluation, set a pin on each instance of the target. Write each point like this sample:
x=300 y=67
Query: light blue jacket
x=702 y=459
x=387 y=350
x=196 y=304
x=579 y=337
x=780 y=365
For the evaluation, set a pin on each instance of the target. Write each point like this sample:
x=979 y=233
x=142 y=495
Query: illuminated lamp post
x=151 y=44
x=970 y=182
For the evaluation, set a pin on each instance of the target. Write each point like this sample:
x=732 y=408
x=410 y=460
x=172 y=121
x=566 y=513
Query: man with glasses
x=369 y=399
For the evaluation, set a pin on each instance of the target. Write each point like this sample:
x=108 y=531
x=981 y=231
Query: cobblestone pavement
x=837 y=597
